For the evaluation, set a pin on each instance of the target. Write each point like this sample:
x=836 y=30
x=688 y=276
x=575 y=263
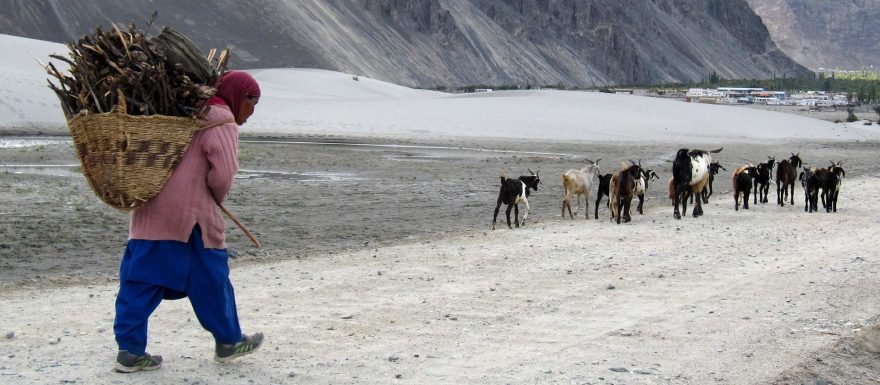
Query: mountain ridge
x=450 y=43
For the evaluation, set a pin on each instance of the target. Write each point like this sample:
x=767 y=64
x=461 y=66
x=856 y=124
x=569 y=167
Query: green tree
x=850 y=116
x=863 y=95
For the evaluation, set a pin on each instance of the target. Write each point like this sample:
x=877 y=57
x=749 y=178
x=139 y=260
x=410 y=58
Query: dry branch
x=163 y=75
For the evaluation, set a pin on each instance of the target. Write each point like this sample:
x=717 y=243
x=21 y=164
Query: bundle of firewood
x=163 y=75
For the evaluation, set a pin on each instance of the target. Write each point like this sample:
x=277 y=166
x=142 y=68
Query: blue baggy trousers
x=155 y=270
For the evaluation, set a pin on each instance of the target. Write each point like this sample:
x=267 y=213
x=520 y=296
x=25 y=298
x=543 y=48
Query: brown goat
x=786 y=175
x=625 y=190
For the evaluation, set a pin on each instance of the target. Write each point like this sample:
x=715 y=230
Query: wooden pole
x=240 y=225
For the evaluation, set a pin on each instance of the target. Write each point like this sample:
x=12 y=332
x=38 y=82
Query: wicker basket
x=127 y=158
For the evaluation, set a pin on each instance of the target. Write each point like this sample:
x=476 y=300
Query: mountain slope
x=825 y=34
x=430 y=43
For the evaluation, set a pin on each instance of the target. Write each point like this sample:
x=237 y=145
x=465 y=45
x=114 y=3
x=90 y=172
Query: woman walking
x=176 y=244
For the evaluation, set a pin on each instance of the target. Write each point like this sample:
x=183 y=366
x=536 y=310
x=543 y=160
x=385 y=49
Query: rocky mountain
x=825 y=34
x=429 y=43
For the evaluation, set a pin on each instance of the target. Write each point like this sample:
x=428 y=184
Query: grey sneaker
x=247 y=345
x=130 y=363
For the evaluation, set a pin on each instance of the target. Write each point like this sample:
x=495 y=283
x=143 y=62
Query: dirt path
x=751 y=299
x=417 y=290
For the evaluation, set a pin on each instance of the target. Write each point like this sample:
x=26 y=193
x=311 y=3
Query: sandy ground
x=379 y=267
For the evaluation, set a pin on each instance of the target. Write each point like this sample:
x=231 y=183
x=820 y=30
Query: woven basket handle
x=215 y=124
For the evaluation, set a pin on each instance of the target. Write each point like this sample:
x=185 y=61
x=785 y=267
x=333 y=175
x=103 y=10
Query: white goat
x=579 y=182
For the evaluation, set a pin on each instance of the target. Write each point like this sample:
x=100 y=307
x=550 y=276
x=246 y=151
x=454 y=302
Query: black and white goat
x=515 y=191
x=645 y=177
x=690 y=173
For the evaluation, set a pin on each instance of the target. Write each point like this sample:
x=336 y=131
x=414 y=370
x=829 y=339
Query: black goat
x=810 y=182
x=713 y=170
x=604 y=183
x=514 y=191
x=742 y=184
x=829 y=179
x=762 y=181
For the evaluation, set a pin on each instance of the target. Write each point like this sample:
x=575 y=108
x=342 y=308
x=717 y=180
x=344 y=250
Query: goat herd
x=693 y=173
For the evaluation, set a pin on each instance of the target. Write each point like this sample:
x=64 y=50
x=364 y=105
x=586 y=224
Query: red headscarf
x=234 y=87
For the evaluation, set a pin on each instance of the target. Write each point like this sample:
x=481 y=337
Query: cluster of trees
x=864 y=89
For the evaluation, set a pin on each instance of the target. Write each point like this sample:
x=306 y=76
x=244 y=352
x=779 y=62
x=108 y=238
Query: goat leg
x=495 y=217
x=586 y=205
x=515 y=214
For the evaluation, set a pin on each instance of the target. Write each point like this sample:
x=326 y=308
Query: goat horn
x=597 y=160
x=590 y=161
x=530 y=171
x=716 y=151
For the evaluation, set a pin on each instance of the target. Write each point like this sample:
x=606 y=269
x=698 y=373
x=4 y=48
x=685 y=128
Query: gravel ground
x=378 y=266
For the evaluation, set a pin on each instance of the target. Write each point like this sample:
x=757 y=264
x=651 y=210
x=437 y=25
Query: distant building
x=736 y=95
x=703 y=95
x=819 y=99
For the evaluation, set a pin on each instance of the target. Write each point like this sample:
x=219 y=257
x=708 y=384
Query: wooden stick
x=240 y=225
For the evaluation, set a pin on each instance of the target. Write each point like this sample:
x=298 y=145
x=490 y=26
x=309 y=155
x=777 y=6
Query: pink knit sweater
x=189 y=197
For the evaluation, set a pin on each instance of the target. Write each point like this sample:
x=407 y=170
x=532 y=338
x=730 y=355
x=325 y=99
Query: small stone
x=610 y=287
x=620 y=370
x=10 y=335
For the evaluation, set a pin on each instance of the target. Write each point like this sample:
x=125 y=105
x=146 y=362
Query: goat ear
x=597 y=160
